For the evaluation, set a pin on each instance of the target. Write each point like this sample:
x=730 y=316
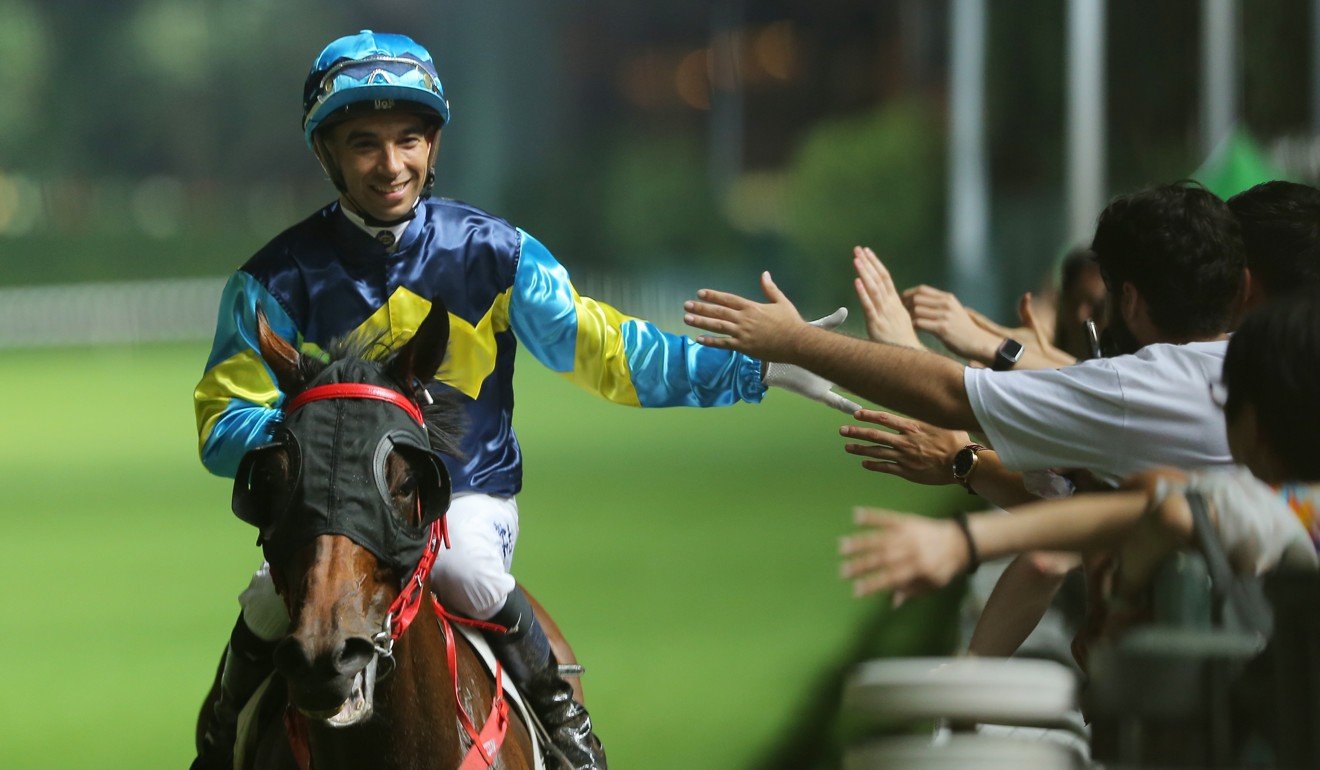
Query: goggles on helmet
x=370 y=71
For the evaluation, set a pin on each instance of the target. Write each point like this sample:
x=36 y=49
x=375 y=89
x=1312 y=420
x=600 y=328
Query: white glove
x=804 y=383
x=831 y=321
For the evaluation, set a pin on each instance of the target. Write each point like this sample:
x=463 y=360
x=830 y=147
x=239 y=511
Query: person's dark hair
x=1281 y=230
x=1074 y=267
x=1271 y=365
x=1181 y=247
x=1077 y=289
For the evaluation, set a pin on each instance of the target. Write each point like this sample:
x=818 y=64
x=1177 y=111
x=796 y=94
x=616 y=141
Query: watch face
x=963 y=462
x=1011 y=349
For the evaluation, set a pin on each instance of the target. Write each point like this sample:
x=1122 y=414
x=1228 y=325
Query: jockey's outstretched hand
x=768 y=331
x=900 y=552
x=804 y=383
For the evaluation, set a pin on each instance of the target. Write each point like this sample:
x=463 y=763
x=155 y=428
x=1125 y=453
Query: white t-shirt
x=1112 y=416
x=1257 y=527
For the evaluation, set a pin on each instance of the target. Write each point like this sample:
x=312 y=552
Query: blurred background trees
x=150 y=138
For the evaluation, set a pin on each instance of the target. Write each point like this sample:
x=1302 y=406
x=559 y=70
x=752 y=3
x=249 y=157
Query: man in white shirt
x=1110 y=416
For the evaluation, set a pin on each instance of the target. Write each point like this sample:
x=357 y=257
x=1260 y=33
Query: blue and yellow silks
x=325 y=278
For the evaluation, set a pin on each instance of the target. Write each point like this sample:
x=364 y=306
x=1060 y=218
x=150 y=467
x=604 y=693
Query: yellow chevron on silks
x=600 y=363
x=470 y=358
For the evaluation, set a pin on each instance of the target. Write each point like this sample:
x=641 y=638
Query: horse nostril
x=292 y=659
x=354 y=655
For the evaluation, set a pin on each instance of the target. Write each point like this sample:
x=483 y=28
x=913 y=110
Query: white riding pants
x=471 y=578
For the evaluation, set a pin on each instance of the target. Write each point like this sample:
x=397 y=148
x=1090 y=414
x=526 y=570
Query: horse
x=349 y=499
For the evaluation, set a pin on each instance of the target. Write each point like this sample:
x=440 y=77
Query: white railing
x=184 y=309
x=109 y=313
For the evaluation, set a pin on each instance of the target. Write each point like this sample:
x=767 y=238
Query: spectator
x=897 y=319
x=923 y=453
x=1172 y=261
x=1280 y=224
x=1264 y=512
x=1081 y=299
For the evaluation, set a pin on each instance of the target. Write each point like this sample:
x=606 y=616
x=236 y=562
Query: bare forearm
x=996 y=484
x=1014 y=609
x=1079 y=523
x=1024 y=591
x=918 y=383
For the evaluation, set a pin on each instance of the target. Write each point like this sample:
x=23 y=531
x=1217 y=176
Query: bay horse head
x=348 y=497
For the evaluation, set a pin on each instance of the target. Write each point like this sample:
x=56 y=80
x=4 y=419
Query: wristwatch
x=964 y=462
x=1008 y=354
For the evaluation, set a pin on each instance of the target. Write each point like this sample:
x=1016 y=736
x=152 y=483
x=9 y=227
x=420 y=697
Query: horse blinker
x=339 y=449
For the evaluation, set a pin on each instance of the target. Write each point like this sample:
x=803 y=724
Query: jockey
x=370 y=263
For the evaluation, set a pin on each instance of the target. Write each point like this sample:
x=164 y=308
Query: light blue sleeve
x=624 y=359
x=237 y=397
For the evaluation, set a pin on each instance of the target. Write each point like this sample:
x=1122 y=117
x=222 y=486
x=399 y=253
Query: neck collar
x=388 y=234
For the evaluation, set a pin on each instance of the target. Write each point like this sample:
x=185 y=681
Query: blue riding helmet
x=372 y=68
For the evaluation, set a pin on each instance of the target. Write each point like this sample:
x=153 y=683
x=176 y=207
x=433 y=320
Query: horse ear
x=280 y=356
x=422 y=356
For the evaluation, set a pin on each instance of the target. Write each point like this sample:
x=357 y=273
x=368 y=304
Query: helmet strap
x=327 y=162
x=429 y=186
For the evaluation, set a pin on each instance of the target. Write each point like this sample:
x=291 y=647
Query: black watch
x=964 y=462
x=1008 y=354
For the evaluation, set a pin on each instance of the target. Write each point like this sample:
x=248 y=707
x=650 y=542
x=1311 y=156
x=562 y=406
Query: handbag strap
x=1244 y=598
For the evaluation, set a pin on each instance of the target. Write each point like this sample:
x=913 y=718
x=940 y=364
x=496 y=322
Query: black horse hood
x=338 y=451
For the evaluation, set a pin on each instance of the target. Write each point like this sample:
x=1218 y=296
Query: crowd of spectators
x=1180 y=365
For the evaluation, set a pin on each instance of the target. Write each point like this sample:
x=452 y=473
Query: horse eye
x=270 y=479
x=276 y=468
x=407 y=487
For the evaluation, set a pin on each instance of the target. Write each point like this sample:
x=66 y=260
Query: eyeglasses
x=1093 y=338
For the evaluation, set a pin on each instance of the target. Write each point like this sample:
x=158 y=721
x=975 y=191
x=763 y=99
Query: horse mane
x=444 y=417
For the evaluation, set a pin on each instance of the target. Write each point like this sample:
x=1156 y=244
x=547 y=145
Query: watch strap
x=1003 y=361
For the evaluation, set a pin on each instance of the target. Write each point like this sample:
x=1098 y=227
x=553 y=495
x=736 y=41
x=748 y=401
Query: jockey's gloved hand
x=804 y=383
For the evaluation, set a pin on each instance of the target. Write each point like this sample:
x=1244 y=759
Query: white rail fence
x=181 y=310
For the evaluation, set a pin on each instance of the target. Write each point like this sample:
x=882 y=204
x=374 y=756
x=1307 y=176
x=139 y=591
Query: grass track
x=689 y=554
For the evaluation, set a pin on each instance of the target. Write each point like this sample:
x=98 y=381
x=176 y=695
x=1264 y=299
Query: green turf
x=689 y=554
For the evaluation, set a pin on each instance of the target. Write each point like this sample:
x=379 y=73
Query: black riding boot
x=527 y=657
x=248 y=661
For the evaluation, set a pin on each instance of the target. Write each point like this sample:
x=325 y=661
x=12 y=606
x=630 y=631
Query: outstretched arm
x=976 y=338
x=1019 y=600
x=624 y=359
x=924 y=454
x=909 y=553
x=922 y=384
x=1039 y=352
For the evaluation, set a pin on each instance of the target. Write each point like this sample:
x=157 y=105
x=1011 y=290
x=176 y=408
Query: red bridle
x=403 y=610
x=405 y=605
x=355 y=390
